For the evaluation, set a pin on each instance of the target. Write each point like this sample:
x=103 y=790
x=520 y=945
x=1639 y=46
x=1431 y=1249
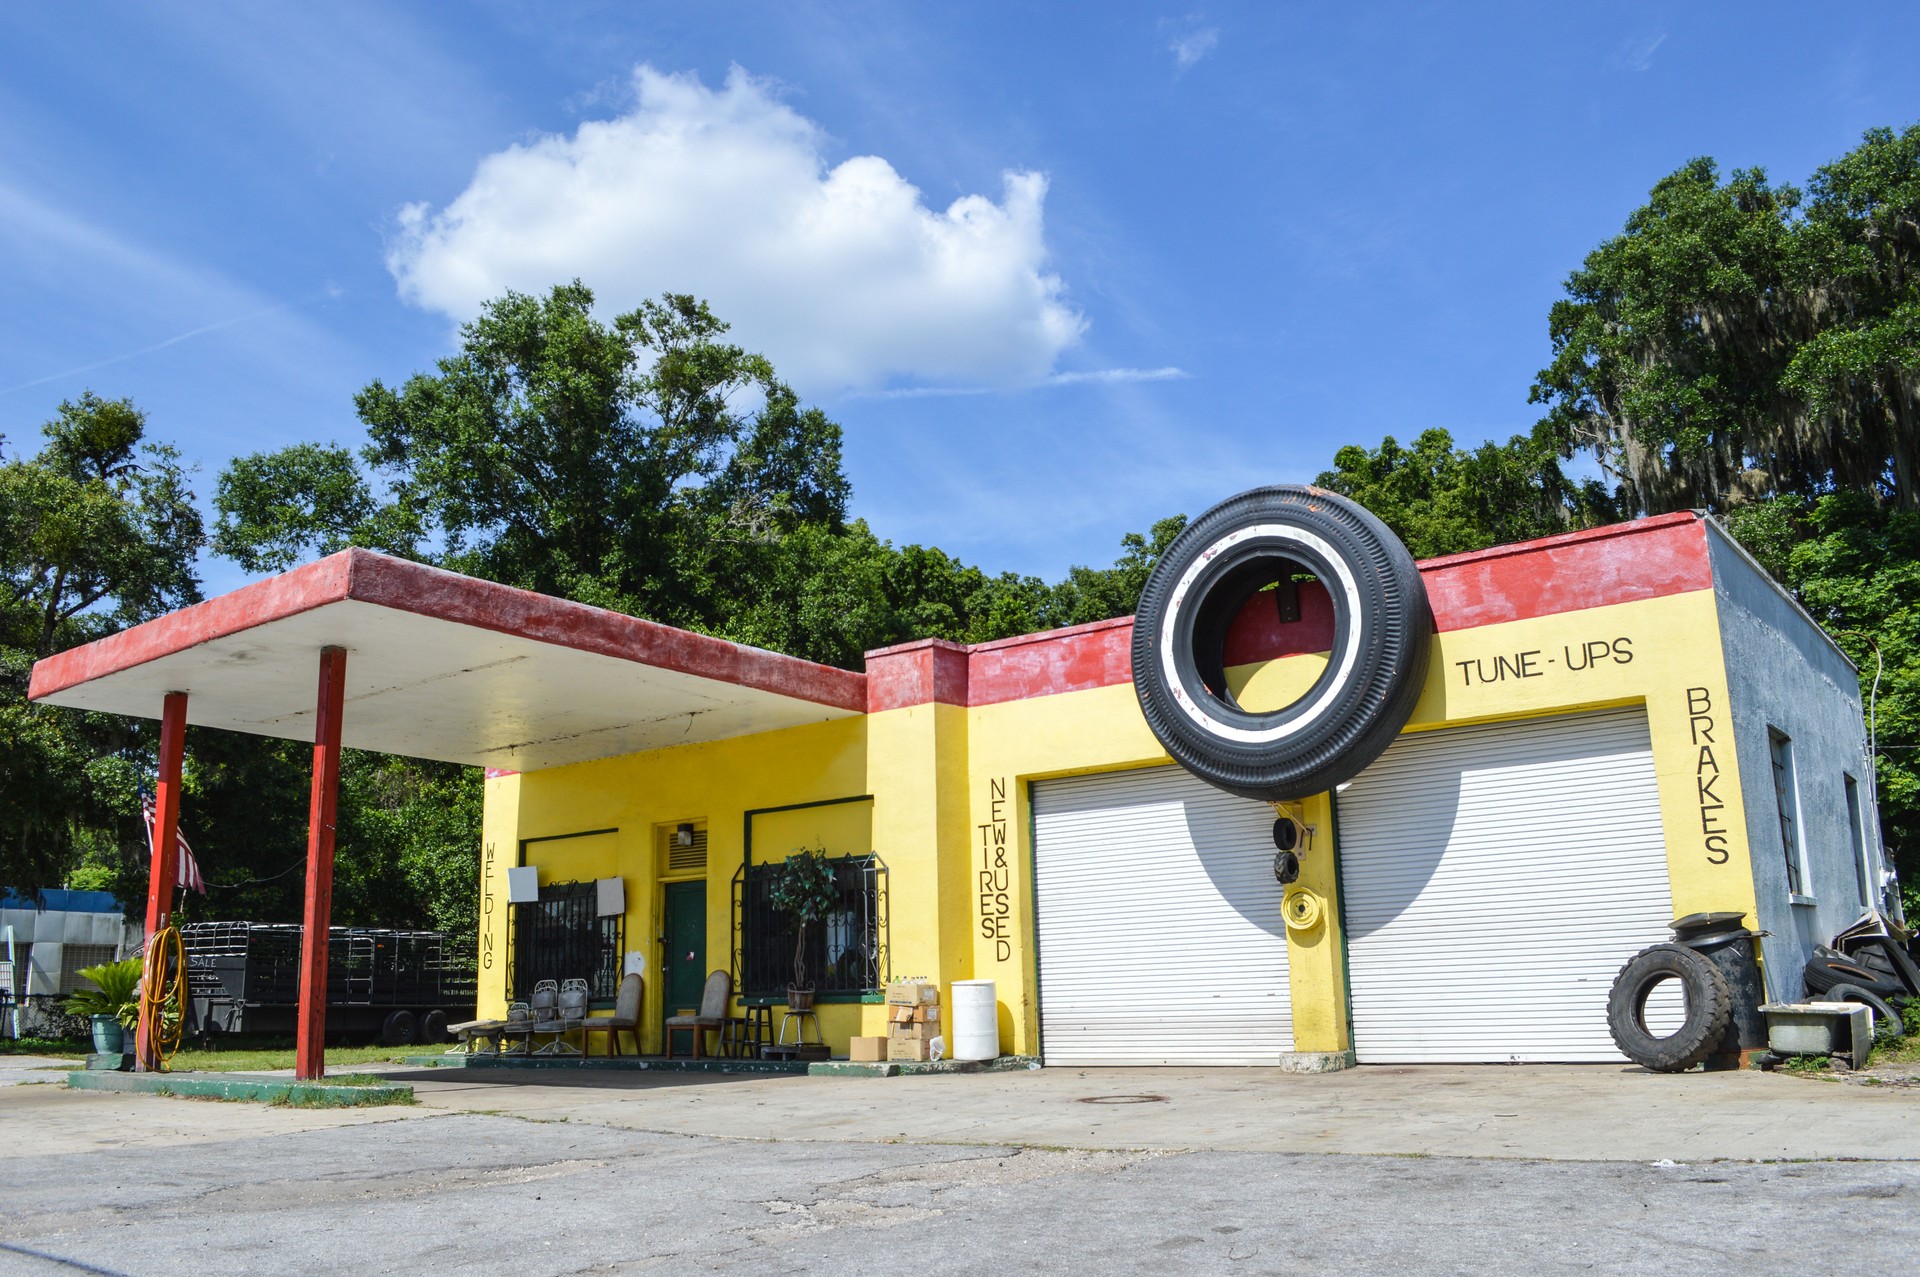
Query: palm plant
x=116 y=992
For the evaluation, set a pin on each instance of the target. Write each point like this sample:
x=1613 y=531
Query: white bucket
x=976 y=1021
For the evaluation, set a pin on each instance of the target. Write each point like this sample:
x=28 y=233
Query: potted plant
x=113 y=1005
x=805 y=888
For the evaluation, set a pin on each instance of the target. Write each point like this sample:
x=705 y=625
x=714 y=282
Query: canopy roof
x=444 y=666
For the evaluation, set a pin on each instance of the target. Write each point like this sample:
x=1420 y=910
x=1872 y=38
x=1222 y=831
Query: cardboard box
x=912 y=993
x=912 y=1031
x=908 y=1049
x=869 y=1050
x=913 y=1015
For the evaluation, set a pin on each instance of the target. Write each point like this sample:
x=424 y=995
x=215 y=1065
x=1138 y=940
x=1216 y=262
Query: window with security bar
x=847 y=951
x=560 y=937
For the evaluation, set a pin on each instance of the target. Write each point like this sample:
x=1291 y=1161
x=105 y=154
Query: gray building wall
x=1783 y=672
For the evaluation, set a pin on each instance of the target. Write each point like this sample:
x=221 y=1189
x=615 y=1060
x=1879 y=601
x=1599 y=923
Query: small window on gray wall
x=1856 y=826
x=1787 y=802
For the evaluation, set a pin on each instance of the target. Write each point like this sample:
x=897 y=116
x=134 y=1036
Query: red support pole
x=311 y=1048
x=164 y=875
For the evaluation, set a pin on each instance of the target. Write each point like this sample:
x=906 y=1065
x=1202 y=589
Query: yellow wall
x=950 y=812
x=713 y=784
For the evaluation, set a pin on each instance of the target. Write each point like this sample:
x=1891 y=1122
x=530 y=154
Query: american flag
x=189 y=869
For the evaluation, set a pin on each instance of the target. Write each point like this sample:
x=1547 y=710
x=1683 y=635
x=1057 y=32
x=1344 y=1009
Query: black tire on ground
x=1709 y=1008
x=433 y=1026
x=1383 y=630
x=399 y=1029
x=1884 y=1013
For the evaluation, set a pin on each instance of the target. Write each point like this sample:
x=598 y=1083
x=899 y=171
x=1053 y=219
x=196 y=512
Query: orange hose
x=157 y=989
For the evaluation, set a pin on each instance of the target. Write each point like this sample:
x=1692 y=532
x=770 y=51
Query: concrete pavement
x=1488 y=1170
x=465 y=1193
x=1563 y=1112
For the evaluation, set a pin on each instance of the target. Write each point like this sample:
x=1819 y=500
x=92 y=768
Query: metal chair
x=568 y=1010
x=519 y=1024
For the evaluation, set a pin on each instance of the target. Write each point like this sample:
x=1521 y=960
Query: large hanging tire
x=1383 y=631
x=1709 y=1008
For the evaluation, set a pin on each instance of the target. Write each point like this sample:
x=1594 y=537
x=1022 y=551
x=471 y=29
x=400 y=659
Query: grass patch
x=68 y=1047
x=1902 y=1051
x=266 y=1055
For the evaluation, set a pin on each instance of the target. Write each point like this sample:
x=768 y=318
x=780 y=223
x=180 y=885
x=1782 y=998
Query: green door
x=683 y=967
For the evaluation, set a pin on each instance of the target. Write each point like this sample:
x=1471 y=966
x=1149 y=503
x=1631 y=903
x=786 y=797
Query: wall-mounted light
x=683 y=835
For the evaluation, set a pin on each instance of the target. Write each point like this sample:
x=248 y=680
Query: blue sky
x=1058 y=271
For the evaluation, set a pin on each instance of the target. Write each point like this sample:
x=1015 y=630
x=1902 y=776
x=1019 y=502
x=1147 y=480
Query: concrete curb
x=913 y=1068
x=243 y=1087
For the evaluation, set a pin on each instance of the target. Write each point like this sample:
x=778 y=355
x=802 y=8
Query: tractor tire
x=1709 y=1008
x=1383 y=632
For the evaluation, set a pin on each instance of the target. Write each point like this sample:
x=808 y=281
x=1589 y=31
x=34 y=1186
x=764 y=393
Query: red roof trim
x=448 y=596
x=402 y=585
x=289 y=594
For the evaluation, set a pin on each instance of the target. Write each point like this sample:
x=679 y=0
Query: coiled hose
x=164 y=981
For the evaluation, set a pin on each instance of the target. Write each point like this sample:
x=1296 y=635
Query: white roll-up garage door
x=1160 y=934
x=1494 y=879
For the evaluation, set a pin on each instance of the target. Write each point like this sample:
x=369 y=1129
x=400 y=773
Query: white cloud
x=1094 y=376
x=1192 y=45
x=842 y=275
x=1110 y=376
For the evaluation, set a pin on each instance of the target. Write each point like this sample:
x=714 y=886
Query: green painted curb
x=243 y=1087
x=850 y=1068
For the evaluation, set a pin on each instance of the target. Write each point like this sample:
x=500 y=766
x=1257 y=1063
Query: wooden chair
x=626 y=1016
x=712 y=1017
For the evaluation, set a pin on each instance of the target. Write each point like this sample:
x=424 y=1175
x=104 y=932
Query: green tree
x=1741 y=341
x=557 y=453
x=1441 y=499
x=97 y=531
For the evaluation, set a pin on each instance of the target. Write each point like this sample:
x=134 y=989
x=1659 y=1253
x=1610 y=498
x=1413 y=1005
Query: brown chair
x=626 y=1016
x=712 y=1017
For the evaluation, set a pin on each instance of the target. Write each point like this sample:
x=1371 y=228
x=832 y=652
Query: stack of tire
x=1878 y=973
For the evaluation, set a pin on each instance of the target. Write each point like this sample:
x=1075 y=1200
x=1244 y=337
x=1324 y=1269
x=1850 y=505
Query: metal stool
x=809 y=1016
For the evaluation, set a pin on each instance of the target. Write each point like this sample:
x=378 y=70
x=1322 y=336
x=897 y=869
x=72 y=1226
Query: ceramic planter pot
x=109 y=1038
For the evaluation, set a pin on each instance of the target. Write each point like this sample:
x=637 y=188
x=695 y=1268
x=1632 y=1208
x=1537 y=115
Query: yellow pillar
x=499 y=852
x=917 y=774
x=1316 y=950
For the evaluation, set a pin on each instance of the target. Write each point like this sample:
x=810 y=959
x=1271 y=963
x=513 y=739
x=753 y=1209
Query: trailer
x=398 y=986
